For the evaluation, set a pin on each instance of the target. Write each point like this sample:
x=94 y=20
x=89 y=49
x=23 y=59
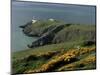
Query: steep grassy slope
x=67 y=58
x=52 y=32
x=39 y=27
x=61 y=60
x=75 y=33
x=72 y=48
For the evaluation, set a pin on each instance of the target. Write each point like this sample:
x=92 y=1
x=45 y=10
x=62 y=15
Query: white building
x=34 y=20
x=51 y=19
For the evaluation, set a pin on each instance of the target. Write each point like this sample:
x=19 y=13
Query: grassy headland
x=71 y=48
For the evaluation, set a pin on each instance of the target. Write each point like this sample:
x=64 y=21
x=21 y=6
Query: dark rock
x=81 y=65
x=89 y=42
x=22 y=26
x=47 y=37
x=31 y=57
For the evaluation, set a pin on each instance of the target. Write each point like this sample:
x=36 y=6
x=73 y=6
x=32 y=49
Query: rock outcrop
x=56 y=32
x=47 y=37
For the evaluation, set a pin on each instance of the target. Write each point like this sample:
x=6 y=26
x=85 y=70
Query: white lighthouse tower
x=34 y=20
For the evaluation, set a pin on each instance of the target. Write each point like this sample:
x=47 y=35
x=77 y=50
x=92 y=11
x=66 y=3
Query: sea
x=23 y=12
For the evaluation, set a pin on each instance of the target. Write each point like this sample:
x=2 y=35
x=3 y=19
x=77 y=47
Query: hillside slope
x=51 y=32
x=59 y=60
x=72 y=48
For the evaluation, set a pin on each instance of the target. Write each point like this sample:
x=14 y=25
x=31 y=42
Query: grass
x=45 y=23
x=40 y=27
x=68 y=34
x=67 y=58
x=22 y=63
x=88 y=62
x=46 y=48
x=62 y=54
x=75 y=32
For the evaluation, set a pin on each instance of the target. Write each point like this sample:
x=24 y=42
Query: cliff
x=60 y=47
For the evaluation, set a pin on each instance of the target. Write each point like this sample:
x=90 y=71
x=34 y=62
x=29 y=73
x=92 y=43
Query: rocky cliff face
x=39 y=27
x=50 y=32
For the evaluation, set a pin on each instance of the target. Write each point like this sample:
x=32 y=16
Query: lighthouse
x=34 y=20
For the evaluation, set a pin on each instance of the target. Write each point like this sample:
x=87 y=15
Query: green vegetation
x=43 y=61
x=75 y=33
x=67 y=51
x=45 y=23
x=40 y=27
